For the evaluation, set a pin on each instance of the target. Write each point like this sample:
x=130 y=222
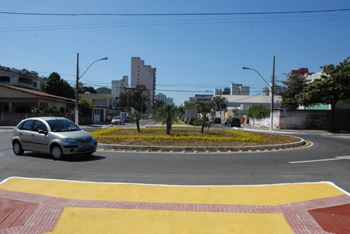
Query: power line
x=179 y=14
x=158 y=23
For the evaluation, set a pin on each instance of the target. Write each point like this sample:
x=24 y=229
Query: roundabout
x=274 y=191
x=189 y=140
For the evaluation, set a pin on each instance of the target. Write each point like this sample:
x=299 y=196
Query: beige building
x=119 y=86
x=143 y=77
x=102 y=105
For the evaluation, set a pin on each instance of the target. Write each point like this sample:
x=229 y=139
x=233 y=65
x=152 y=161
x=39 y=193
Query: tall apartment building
x=119 y=86
x=239 y=89
x=143 y=77
x=21 y=78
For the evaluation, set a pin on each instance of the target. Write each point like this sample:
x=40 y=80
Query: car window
x=27 y=125
x=38 y=125
x=62 y=125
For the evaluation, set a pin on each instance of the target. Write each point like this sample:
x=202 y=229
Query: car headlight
x=69 y=140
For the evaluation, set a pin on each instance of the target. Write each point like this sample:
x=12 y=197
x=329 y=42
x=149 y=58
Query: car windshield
x=62 y=125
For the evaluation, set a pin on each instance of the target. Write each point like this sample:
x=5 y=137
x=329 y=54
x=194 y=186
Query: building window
x=35 y=85
x=25 y=80
x=4 y=79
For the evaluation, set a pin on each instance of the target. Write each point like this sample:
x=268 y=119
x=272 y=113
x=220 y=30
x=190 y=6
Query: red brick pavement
x=335 y=219
x=49 y=209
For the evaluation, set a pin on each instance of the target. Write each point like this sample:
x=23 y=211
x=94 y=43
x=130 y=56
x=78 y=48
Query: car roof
x=45 y=118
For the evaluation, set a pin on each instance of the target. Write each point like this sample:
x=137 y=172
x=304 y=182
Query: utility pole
x=220 y=105
x=271 y=86
x=76 y=93
x=272 y=93
x=78 y=77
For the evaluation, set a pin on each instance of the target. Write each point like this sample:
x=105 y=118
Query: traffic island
x=190 y=140
x=86 y=207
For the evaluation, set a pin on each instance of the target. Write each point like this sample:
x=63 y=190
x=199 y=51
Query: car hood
x=72 y=134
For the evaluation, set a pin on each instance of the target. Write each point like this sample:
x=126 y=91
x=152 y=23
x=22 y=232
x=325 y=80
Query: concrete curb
x=197 y=149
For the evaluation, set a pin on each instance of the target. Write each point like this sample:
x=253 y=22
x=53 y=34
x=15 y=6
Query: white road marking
x=323 y=160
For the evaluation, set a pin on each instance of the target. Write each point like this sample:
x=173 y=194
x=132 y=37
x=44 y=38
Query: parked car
x=235 y=122
x=232 y=122
x=53 y=135
x=118 y=120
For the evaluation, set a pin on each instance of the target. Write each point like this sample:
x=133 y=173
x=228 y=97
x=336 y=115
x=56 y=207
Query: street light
x=78 y=77
x=271 y=86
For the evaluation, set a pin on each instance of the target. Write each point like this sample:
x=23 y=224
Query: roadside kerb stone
x=211 y=149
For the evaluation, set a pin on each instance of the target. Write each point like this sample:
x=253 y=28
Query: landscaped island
x=188 y=137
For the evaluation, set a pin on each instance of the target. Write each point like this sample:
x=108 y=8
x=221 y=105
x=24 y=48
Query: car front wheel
x=17 y=148
x=56 y=152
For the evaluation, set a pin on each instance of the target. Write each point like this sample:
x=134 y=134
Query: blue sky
x=190 y=53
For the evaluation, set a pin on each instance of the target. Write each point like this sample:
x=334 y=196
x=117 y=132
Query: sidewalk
x=58 y=206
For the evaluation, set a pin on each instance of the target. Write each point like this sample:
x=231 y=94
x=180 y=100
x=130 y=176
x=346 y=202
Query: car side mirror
x=42 y=131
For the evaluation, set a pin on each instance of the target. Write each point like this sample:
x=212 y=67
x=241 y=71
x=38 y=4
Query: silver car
x=54 y=135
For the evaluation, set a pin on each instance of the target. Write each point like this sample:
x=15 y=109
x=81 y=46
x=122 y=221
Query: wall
x=12 y=119
x=306 y=119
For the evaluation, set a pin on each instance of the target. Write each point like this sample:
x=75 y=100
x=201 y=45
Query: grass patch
x=187 y=137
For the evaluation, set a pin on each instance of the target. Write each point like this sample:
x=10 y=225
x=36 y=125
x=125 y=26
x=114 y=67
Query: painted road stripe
x=323 y=160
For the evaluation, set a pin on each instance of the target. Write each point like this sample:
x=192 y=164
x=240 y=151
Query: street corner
x=55 y=206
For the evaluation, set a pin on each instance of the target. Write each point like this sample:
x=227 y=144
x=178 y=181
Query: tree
x=137 y=100
x=333 y=86
x=294 y=86
x=103 y=90
x=167 y=114
x=85 y=107
x=258 y=112
x=56 y=86
x=219 y=103
x=85 y=89
x=204 y=109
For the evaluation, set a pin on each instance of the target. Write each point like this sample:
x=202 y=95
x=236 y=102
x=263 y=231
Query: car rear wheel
x=17 y=148
x=56 y=152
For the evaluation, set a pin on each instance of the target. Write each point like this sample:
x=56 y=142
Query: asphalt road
x=166 y=168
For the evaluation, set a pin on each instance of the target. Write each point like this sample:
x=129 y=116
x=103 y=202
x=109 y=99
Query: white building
x=119 y=86
x=144 y=77
x=19 y=78
x=314 y=76
x=244 y=102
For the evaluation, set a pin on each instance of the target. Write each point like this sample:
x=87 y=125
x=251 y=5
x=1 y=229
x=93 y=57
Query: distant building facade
x=225 y=91
x=20 y=78
x=169 y=101
x=201 y=98
x=161 y=97
x=119 y=86
x=278 y=89
x=143 y=76
x=239 y=89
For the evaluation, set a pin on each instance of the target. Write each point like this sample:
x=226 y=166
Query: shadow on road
x=71 y=158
